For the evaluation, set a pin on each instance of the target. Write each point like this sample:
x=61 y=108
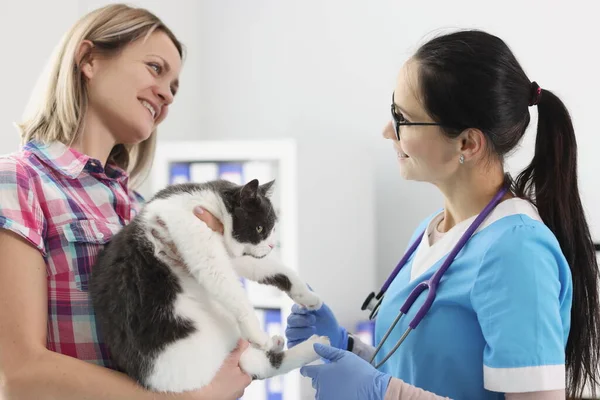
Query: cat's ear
x=267 y=188
x=249 y=192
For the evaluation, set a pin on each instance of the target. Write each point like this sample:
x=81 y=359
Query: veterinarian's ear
x=267 y=188
x=249 y=191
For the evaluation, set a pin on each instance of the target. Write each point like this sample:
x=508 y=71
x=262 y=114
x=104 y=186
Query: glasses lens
x=395 y=124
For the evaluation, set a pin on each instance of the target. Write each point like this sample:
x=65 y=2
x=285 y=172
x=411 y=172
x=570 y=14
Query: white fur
x=256 y=269
x=213 y=296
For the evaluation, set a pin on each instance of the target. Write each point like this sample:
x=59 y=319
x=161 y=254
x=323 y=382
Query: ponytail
x=550 y=182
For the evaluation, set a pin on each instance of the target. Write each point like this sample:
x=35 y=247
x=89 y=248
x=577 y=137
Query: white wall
x=28 y=38
x=253 y=71
x=323 y=72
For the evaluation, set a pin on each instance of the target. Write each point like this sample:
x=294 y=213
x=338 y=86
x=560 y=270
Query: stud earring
x=461 y=159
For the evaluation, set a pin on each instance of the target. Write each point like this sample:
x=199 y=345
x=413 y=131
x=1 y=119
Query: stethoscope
x=373 y=302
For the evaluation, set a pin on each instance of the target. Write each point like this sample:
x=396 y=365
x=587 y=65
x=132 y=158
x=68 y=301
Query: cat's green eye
x=259 y=229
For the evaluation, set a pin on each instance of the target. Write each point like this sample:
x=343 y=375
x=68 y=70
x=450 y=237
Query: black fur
x=133 y=296
x=248 y=204
x=133 y=292
x=275 y=358
x=280 y=281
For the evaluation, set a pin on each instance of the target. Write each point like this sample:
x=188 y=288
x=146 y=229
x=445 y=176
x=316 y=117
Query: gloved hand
x=346 y=376
x=303 y=323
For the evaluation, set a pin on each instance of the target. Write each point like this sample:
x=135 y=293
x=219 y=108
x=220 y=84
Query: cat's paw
x=306 y=349
x=261 y=341
x=277 y=343
x=324 y=340
x=307 y=299
x=250 y=330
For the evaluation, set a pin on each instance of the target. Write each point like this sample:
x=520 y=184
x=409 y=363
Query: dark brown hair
x=471 y=79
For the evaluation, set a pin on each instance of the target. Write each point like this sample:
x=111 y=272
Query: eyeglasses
x=399 y=120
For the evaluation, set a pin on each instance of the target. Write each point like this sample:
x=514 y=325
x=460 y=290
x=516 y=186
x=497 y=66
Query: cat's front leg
x=216 y=275
x=204 y=255
x=270 y=271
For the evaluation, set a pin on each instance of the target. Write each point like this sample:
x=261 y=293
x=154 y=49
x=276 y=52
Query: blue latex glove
x=303 y=323
x=346 y=376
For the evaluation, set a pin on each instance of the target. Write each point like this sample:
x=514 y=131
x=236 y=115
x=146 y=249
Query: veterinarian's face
x=130 y=93
x=423 y=152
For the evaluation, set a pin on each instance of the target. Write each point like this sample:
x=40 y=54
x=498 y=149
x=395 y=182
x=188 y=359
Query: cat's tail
x=265 y=364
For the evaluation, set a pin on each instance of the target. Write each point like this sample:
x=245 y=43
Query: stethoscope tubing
x=430 y=285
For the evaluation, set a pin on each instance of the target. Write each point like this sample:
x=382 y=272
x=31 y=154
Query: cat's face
x=253 y=217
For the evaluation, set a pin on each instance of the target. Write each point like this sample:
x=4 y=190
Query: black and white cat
x=167 y=294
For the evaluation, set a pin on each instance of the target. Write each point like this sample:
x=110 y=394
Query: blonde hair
x=57 y=113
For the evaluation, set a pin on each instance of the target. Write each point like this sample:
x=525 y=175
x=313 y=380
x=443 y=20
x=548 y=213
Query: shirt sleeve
x=20 y=210
x=522 y=298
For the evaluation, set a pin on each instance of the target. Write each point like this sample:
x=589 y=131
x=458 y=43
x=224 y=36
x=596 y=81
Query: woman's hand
x=230 y=381
x=228 y=384
x=210 y=220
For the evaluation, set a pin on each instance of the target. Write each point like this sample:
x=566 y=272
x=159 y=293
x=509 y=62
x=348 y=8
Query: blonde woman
x=67 y=191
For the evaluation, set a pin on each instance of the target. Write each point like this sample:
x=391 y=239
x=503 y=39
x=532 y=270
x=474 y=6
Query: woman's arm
x=30 y=371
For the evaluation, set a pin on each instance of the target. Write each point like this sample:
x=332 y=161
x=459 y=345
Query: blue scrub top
x=501 y=318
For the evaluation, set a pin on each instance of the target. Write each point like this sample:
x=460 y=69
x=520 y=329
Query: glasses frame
x=396 y=123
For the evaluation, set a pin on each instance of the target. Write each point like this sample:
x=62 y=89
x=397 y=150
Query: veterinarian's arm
x=27 y=369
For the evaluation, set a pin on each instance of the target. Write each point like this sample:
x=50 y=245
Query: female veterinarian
x=67 y=191
x=515 y=315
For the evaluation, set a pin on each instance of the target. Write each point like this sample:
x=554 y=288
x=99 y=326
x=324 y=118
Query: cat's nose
x=271 y=246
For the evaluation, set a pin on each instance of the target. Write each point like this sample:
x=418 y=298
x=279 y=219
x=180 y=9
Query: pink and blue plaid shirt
x=68 y=206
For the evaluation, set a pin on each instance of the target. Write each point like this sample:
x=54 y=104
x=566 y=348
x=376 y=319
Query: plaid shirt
x=67 y=206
